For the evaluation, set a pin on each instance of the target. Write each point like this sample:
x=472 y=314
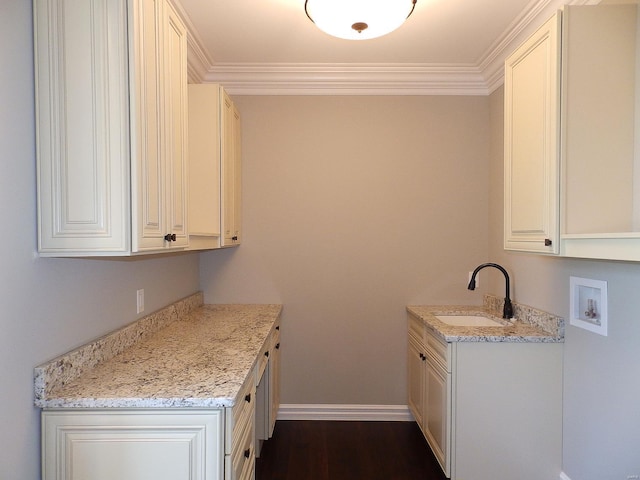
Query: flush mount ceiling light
x=358 y=19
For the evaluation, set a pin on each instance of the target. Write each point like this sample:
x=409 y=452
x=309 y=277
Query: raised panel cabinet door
x=416 y=380
x=159 y=169
x=147 y=166
x=237 y=177
x=132 y=445
x=274 y=385
x=437 y=413
x=228 y=171
x=531 y=142
x=176 y=126
x=82 y=127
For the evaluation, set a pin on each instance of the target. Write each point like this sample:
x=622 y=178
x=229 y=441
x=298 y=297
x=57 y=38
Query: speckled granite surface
x=201 y=358
x=531 y=325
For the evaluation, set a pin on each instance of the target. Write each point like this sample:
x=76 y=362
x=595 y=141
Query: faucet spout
x=507 y=311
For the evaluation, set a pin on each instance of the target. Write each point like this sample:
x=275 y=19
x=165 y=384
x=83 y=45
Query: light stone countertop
x=200 y=360
x=530 y=325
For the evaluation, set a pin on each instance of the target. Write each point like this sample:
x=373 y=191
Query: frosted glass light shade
x=358 y=19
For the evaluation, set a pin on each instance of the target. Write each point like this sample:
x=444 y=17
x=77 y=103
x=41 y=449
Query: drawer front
x=263 y=359
x=241 y=414
x=439 y=350
x=267 y=351
x=416 y=328
x=242 y=458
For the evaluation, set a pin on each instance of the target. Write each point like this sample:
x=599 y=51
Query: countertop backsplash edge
x=550 y=323
x=68 y=366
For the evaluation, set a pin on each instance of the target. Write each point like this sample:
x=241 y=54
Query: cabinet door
x=230 y=172
x=437 y=413
x=237 y=176
x=159 y=116
x=149 y=215
x=274 y=385
x=176 y=131
x=416 y=363
x=531 y=143
x=82 y=134
x=132 y=445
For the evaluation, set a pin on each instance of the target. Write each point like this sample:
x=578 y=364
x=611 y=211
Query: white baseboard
x=564 y=476
x=395 y=413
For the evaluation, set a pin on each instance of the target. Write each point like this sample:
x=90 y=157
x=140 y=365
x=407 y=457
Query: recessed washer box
x=588 y=307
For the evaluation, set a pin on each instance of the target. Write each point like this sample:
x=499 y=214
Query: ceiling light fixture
x=358 y=19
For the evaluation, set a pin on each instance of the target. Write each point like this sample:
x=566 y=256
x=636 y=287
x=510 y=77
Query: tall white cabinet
x=571 y=158
x=532 y=142
x=111 y=99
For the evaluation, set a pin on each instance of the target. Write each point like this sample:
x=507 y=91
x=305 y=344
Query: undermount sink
x=469 y=321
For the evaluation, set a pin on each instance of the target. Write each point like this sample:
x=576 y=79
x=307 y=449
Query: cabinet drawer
x=416 y=328
x=439 y=350
x=275 y=334
x=241 y=414
x=263 y=358
x=242 y=458
x=270 y=344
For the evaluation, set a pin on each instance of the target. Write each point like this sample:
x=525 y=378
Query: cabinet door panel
x=416 y=366
x=132 y=446
x=274 y=385
x=228 y=194
x=437 y=413
x=147 y=169
x=83 y=130
x=237 y=177
x=176 y=148
x=532 y=112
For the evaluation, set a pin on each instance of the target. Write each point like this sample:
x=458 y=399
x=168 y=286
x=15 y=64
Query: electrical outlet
x=477 y=279
x=140 y=300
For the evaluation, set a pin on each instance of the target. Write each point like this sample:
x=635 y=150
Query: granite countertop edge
x=529 y=325
x=200 y=358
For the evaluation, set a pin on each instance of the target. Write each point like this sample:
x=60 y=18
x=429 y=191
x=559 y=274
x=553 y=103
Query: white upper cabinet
x=231 y=173
x=204 y=166
x=111 y=98
x=531 y=142
x=214 y=168
x=600 y=162
x=572 y=179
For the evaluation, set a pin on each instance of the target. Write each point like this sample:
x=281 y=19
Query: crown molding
x=481 y=78
x=348 y=79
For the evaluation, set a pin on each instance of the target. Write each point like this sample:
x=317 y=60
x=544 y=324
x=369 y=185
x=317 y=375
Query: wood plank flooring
x=347 y=450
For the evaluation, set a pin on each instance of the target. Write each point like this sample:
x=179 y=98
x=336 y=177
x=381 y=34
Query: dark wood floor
x=331 y=450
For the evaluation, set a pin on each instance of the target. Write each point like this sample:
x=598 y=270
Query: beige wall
x=49 y=306
x=355 y=207
x=601 y=427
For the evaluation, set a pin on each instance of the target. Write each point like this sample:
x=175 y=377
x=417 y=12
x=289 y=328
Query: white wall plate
x=588 y=307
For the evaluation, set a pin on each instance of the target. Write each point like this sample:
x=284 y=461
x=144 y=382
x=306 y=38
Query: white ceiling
x=270 y=46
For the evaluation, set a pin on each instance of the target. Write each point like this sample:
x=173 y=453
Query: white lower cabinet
x=158 y=444
x=167 y=443
x=239 y=433
x=487 y=409
x=429 y=389
x=268 y=390
x=133 y=445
